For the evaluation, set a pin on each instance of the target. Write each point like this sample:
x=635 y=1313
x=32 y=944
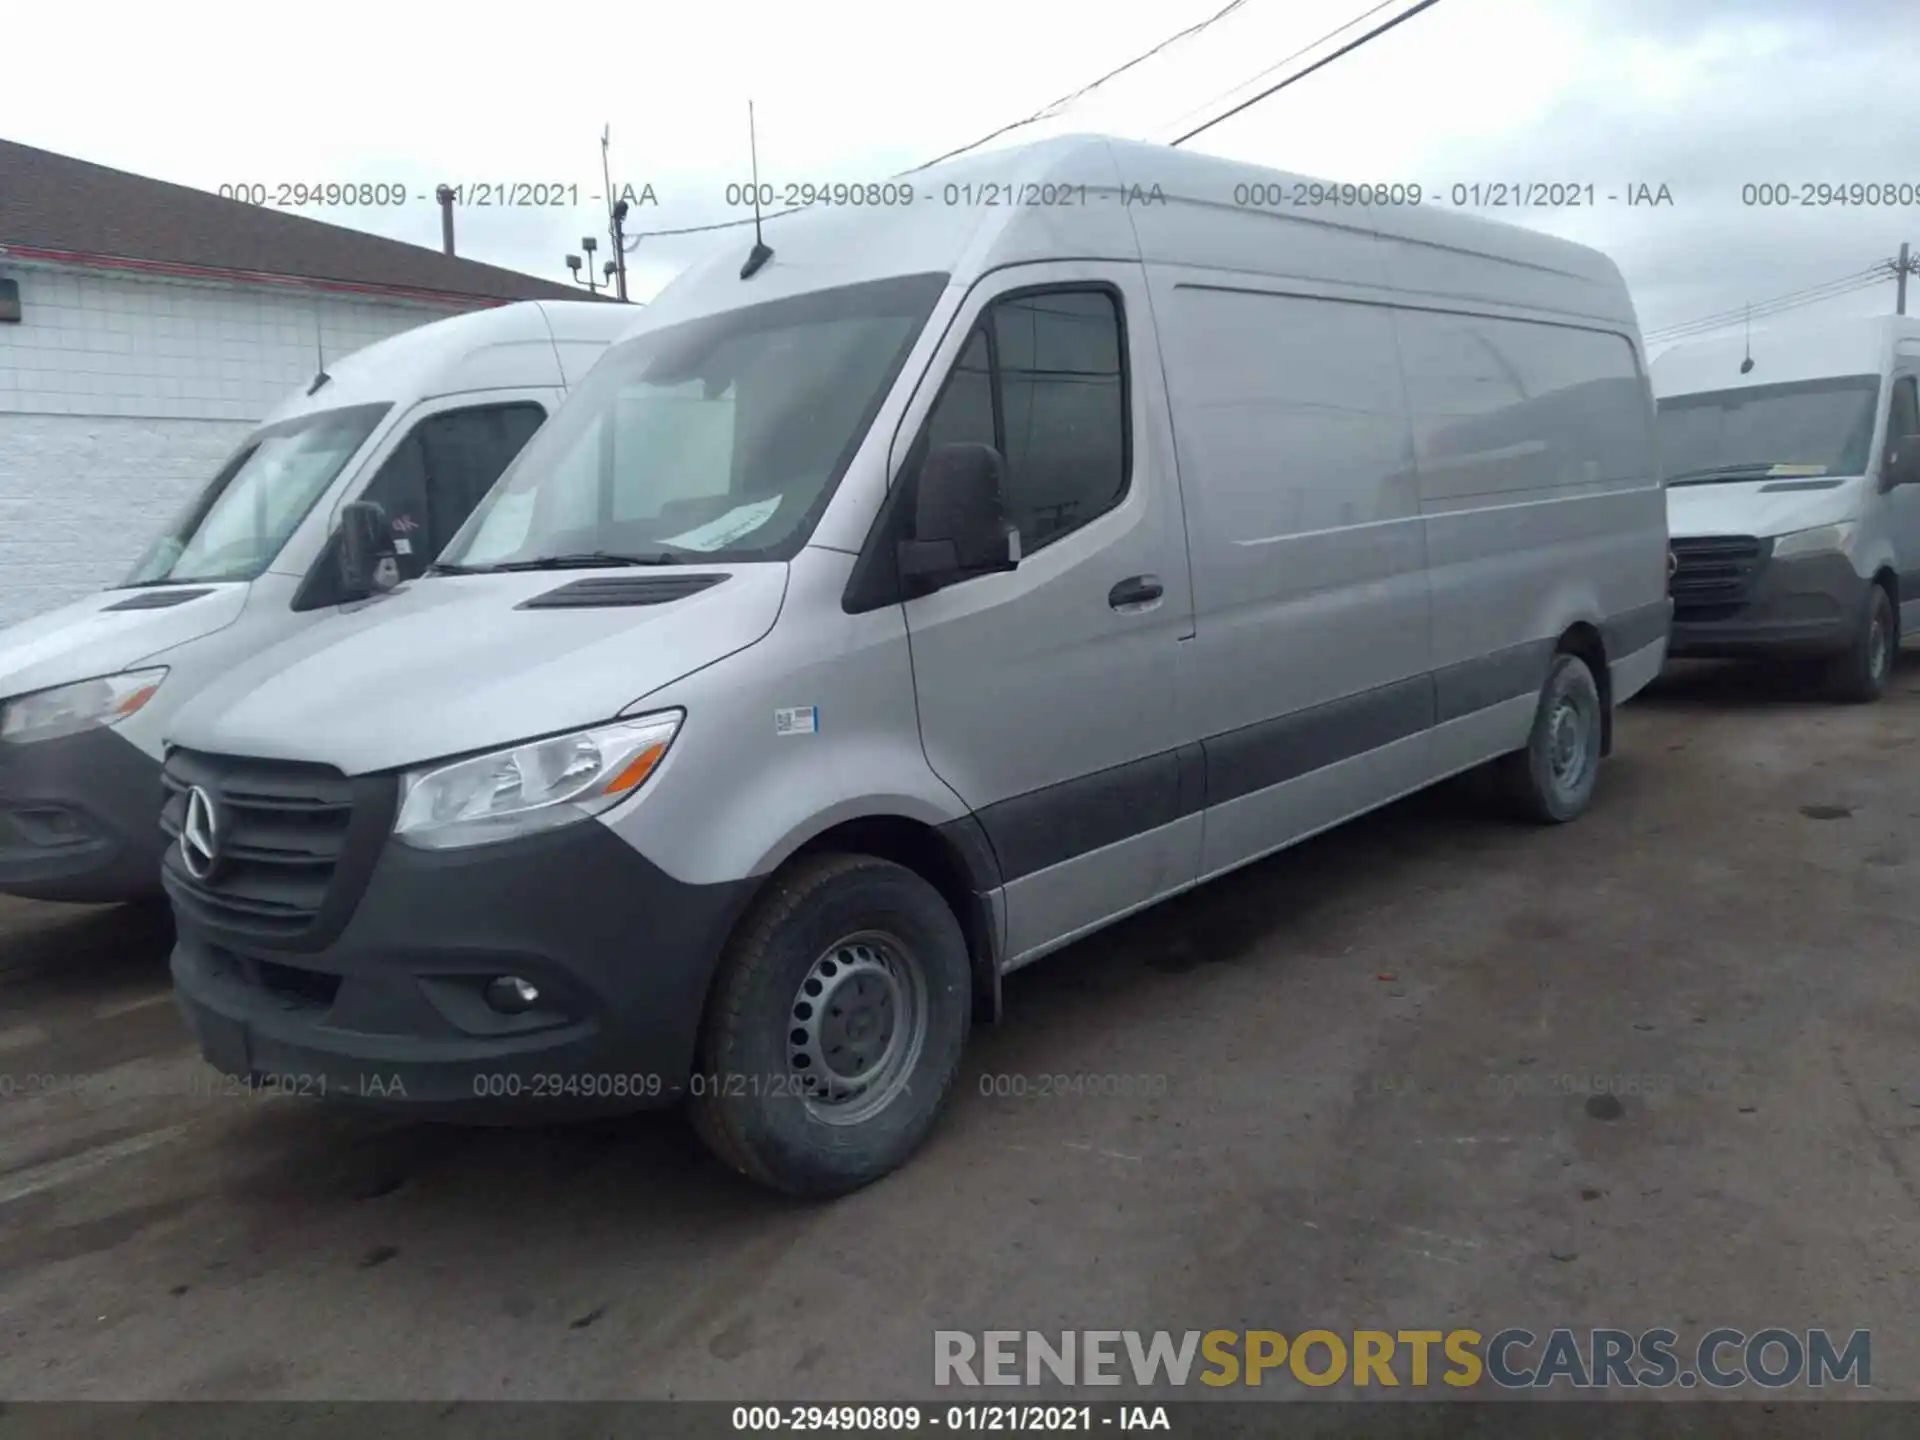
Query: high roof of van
x=1783 y=353
x=1095 y=197
x=530 y=343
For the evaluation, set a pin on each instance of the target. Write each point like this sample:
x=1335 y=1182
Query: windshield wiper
x=1721 y=472
x=584 y=560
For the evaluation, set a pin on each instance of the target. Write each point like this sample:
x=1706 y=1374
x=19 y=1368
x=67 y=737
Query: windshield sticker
x=728 y=528
x=1797 y=470
x=800 y=720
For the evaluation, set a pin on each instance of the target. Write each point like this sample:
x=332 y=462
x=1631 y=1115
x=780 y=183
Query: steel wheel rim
x=1568 y=743
x=1882 y=651
x=856 y=1027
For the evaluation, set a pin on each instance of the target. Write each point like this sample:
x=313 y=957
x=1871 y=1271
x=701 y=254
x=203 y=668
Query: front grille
x=1714 y=574
x=282 y=831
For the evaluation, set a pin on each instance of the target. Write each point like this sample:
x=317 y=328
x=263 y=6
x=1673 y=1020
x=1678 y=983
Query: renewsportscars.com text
x=1509 y=1359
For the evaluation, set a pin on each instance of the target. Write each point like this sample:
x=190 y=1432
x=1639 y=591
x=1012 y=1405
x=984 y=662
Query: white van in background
x=907 y=602
x=1792 y=465
x=422 y=423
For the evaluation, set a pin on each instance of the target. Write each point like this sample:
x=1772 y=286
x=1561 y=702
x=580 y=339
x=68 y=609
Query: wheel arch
x=953 y=856
x=1583 y=639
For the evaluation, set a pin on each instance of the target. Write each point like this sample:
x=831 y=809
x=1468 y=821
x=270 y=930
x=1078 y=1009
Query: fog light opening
x=510 y=995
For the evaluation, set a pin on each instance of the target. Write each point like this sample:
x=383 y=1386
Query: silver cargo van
x=1792 y=462
x=422 y=423
x=894 y=610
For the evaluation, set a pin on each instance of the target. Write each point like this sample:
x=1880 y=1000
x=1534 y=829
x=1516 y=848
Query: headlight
x=1821 y=540
x=69 y=709
x=531 y=787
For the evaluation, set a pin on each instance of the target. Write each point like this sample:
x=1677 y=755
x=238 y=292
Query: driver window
x=434 y=478
x=1046 y=386
x=1904 y=418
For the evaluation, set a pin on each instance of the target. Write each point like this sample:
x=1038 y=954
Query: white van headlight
x=531 y=787
x=1821 y=540
x=69 y=709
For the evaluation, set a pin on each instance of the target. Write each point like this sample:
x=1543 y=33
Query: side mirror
x=960 y=521
x=369 y=565
x=1903 y=462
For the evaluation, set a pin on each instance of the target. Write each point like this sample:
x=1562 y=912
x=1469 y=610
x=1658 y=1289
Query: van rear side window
x=1516 y=405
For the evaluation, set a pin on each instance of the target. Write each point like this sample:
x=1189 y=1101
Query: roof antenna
x=319 y=354
x=1747 y=364
x=761 y=252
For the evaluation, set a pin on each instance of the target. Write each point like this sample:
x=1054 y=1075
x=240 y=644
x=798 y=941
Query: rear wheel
x=1552 y=779
x=1860 y=675
x=835 y=1029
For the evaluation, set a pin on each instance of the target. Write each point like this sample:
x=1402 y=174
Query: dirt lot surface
x=1655 y=1068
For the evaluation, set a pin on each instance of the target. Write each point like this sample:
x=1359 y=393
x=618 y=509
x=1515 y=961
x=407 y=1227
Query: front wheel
x=835 y=1028
x=1552 y=779
x=1860 y=675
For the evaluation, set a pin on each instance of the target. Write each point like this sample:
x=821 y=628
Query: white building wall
x=120 y=396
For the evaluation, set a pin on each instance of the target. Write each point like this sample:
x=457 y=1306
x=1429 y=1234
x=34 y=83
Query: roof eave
x=178 y=270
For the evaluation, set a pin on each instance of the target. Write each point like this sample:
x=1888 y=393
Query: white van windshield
x=718 y=439
x=1809 y=427
x=236 y=526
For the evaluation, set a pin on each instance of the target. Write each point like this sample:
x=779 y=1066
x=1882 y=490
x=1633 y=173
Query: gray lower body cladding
x=1808 y=606
x=1045 y=827
x=392 y=1011
x=80 y=819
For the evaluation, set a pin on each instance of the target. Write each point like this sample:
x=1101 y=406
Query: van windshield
x=1811 y=427
x=721 y=438
x=237 y=524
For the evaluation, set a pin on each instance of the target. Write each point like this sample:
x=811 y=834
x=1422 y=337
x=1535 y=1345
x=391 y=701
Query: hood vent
x=605 y=592
x=1782 y=485
x=157 y=599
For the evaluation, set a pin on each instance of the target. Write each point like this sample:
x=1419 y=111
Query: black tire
x=778 y=1125
x=1860 y=676
x=1551 y=781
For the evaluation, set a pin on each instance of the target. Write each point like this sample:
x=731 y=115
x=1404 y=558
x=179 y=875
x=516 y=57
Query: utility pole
x=1903 y=269
x=616 y=215
x=620 y=249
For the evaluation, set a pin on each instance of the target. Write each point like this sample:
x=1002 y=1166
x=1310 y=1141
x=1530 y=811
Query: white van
x=422 y=422
x=1083 y=522
x=1792 y=463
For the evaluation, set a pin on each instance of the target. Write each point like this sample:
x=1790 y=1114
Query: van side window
x=1904 y=419
x=433 y=479
x=1043 y=381
x=1502 y=406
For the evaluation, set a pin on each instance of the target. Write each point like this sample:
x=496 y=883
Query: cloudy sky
x=1702 y=96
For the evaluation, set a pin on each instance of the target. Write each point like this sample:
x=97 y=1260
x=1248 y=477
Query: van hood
x=454 y=664
x=91 y=637
x=1760 y=507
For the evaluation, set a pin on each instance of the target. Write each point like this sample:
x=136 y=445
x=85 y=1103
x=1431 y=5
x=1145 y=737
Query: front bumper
x=1807 y=605
x=80 y=819
x=389 y=1012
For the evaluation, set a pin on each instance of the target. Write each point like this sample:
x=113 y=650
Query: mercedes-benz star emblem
x=200 y=835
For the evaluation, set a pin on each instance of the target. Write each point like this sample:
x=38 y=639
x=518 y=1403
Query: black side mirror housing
x=368 y=562
x=960 y=523
x=1903 y=462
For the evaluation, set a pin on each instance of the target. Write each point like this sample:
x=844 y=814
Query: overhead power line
x=1776 y=305
x=1054 y=107
x=1347 y=49
x=1786 y=307
x=1286 y=60
x=1737 y=311
x=1048 y=111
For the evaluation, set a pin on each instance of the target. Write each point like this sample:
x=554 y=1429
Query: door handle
x=1135 y=590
